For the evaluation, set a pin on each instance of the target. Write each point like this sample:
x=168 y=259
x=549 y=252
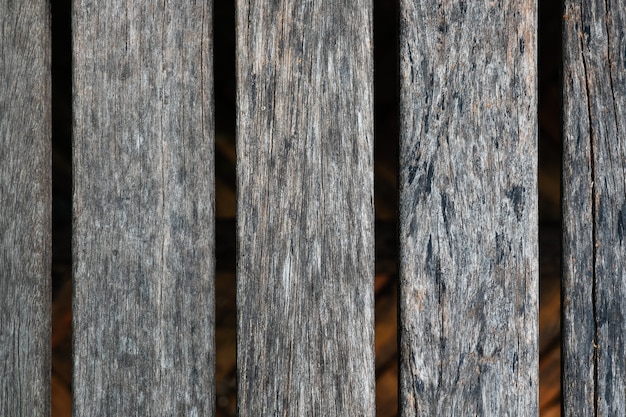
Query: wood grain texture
x=594 y=208
x=25 y=208
x=143 y=209
x=468 y=209
x=305 y=209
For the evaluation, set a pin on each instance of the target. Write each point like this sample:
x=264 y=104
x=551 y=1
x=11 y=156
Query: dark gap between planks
x=61 y=75
x=549 y=179
x=225 y=187
x=386 y=161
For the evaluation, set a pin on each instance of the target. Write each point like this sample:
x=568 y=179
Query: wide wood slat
x=468 y=209
x=305 y=209
x=594 y=208
x=143 y=209
x=25 y=208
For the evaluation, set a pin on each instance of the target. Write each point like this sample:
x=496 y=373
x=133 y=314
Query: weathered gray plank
x=594 y=208
x=468 y=215
x=305 y=214
x=143 y=209
x=25 y=208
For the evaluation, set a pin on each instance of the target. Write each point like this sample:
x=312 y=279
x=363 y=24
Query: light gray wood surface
x=25 y=208
x=143 y=209
x=468 y=209
x=594 y=208
x=305 y=216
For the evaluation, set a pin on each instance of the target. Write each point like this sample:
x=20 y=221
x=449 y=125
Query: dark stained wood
x=594 y=208
x=468 y=209
x=25 y=208
x=143 y=209
x=305 y=209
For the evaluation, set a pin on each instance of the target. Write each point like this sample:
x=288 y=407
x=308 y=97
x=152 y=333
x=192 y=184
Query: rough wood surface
x=468 y=209
x=143 y=209
x=25 y=208
x=594 y=208
x=305 y=209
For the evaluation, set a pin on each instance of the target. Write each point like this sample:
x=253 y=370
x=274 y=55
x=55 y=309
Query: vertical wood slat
x=25 y=208
x=143 y=208
x=305 y=208
x=594 y=208
x=468 y=209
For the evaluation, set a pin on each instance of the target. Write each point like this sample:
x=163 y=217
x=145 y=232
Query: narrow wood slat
x=25 y=208
x=143 y=209
x=594 y=208
x=305 y=214
x=468 y=209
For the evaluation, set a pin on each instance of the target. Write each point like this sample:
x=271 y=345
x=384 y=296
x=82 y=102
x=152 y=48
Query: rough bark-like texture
x=468 y=215
x=594 y=208
x=305 y=209
x=143 y=209
x=25 y=208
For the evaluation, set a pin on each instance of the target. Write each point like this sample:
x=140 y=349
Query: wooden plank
x=594 y=208
x=143 y=209
x=386 y=250
x=25 y=208
x=468 y=209
x=305 y=209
